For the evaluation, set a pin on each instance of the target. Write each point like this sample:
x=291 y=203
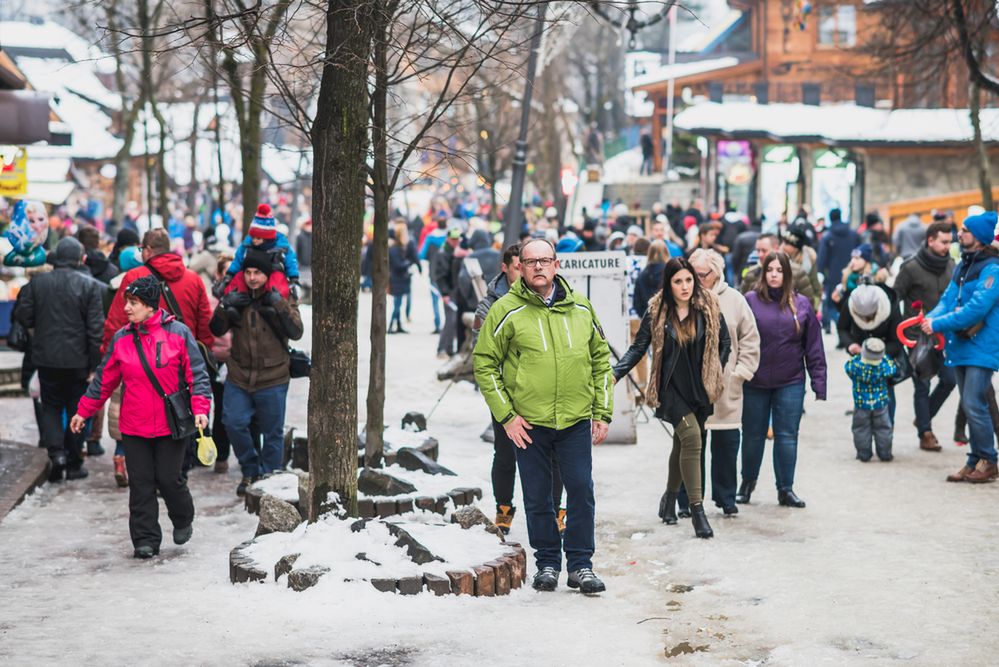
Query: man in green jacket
x=543 y=366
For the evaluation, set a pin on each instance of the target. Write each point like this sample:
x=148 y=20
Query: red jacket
x=187 y=288
x=172 y=355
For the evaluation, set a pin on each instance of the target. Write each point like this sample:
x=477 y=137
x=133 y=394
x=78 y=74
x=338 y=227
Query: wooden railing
x=958 y=202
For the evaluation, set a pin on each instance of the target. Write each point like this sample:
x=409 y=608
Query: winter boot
x=789 y=498
x=182 y=535
x=77 y=472
x=667 y=508
x=560 y=520
x=120 y=474
x=221 y=467
x=94 y=448
x=701 y=526
x=244 y=484
x=145 y=552
x=961 y=475
x=985 y=471
x=58 y=468
x=745 y=491
x=928 y=442
x=504 y=517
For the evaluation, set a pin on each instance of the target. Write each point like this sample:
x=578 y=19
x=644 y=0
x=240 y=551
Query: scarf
x=932 y=262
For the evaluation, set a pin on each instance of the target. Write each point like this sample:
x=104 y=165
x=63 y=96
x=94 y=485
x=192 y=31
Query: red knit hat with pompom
x=264 y=226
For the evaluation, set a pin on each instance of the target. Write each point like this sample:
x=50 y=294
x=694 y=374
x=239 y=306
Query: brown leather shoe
x=961 y=475
x=983 y=472
x=928 y=442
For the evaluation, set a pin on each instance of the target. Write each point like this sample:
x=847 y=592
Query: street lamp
x=628 y=21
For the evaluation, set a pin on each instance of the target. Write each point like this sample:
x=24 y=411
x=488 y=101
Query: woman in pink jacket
x=153 y=457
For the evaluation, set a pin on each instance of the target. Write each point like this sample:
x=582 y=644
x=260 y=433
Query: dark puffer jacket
x=258 y=358
x=65 y=310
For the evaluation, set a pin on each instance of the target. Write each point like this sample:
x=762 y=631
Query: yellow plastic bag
x=207 y=453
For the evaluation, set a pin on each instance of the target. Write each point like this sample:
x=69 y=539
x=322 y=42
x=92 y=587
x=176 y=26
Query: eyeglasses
x=703 y=274
x=540 y=261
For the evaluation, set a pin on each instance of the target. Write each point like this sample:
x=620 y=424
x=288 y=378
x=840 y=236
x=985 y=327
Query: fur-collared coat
x=712 y=338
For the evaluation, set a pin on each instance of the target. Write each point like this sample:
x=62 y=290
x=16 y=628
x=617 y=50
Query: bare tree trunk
x=123 y=166
x=981 y=154
x=375 y=422
x=340 y=144
x=192 y=188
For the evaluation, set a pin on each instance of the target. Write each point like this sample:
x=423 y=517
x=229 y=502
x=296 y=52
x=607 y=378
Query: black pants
x=154 y=464
x=504 y=472
x=218 y=428
x=61 y=390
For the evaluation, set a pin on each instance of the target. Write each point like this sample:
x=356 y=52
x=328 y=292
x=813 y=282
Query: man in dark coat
x=921 y=280
x=64 y=309
x=834 y=254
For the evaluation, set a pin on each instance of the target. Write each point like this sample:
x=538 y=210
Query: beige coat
x=743 y=360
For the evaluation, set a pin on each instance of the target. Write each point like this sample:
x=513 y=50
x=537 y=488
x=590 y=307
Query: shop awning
x=24 y=117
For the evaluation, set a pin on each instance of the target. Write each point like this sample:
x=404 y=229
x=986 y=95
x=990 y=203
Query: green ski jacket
x=550 y=365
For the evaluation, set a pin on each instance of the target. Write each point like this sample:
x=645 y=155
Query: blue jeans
x=572 y=448
x=784 y=406
x=268 y=405
x=830 y=310
x=396 y=310
x=928 y=403
x=973 y=383
x=435 y=303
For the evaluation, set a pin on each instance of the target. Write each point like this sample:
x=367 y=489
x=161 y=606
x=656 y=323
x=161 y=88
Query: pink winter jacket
x=171 y=352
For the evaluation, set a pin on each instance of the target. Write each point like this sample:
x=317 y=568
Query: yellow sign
x=13 y=171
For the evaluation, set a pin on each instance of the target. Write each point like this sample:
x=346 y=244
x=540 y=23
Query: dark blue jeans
x=572 y=448
x=973 y=382
x=238 y=410
x=435 y=303
x=396 y=310
x=928 y=403
x=784 y=407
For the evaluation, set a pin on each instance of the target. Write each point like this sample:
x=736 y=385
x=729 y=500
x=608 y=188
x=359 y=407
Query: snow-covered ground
x=887 y=563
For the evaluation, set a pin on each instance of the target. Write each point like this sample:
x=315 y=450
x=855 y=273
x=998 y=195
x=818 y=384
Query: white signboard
x=602 y=278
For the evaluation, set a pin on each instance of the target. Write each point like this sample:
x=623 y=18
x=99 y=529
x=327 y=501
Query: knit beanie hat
x=146 y=289
x=263 y=226
x=982 y=226
x=258 y=259
x=68 y=252
x=864 y=250
x=795 y=235
x=872 y=351
x=869 y=304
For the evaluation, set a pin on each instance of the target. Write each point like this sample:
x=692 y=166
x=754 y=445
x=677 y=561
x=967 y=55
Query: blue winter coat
x=970 y=298
x=834 y=253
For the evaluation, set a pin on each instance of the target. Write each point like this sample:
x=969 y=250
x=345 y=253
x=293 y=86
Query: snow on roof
x=56 y=76
x=836 y=124
x=25 y=35
x=680 y=70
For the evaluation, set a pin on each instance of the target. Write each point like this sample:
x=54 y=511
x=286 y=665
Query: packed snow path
x=888 y=562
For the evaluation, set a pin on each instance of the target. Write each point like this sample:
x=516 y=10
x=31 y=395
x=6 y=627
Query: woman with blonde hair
x=690 y=345
x=399 y=278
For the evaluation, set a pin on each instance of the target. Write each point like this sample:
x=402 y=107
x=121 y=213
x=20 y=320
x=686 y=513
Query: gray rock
x=470 y=516
x=299 y=580
x=277 y=516
x=414 y=421
x=363 y=556
x=418 y=553
x=285 y=565
x=373 y=483
x=414 y=459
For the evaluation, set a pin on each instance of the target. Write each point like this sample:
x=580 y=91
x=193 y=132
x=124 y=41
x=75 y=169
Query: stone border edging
x=368 y=508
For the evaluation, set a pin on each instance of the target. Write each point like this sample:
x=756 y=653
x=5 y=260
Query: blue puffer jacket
x=971 y=297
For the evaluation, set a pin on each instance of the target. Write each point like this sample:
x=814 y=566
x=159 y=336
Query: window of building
x=838 y=25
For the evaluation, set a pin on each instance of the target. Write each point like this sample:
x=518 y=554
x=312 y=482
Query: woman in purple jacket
x=790 y=342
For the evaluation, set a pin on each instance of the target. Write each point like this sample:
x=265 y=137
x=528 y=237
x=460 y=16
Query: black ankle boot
x=788 y=498
x=745 y=491
x=701 y=527
x=667 y=508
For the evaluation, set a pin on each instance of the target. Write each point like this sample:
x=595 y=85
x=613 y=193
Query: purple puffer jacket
x=784 y=354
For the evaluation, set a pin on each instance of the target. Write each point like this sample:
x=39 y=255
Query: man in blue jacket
x=968 y=316
x=835 y=252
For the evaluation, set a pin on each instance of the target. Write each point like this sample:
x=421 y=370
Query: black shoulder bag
x=299 y=363
x=174 y=308
x=177 y=405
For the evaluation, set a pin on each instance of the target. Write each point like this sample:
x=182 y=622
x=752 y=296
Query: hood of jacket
x=168 y=265
x=840 y=229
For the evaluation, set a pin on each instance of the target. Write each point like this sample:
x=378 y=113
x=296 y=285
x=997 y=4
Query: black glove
x=218 y=289
x=270 y=299
x=234 y=316
x=236 y=300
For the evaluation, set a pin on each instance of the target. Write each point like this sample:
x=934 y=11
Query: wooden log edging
x=499 y=576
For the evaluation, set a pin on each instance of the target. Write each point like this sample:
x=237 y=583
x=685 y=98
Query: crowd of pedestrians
x=148 y=331
x=728 y=317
